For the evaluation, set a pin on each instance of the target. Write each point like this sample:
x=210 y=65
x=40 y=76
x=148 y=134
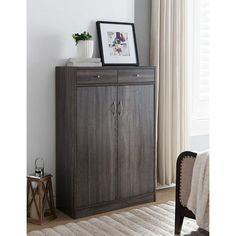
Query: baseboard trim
x=159 y=186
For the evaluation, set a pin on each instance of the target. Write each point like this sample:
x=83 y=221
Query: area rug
x=150 y=220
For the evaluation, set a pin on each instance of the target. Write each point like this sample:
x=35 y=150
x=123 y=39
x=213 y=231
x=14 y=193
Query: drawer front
x=96 y=76
x=136 y=75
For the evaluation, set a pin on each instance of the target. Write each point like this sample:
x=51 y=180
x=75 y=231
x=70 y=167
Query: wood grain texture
x=113 y=205
x=105 y=150
x=96 y=76
x=136 y=75
x=114 y=68
x=65 y=139
x=136 y=140
x=96 y=145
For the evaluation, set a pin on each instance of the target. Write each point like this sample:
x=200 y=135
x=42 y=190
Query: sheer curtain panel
x=168 y=53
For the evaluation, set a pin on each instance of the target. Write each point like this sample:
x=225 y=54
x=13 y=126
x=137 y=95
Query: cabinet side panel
x=65 y=138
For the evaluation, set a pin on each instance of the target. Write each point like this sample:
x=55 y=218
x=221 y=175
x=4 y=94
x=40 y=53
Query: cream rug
x=152 y=220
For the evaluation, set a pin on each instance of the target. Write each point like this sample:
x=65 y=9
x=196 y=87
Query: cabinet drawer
x=96 y=76
x=136 y=75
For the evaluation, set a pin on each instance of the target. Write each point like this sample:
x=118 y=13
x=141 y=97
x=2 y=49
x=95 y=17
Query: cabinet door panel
x=135 y=140
x=95 y=172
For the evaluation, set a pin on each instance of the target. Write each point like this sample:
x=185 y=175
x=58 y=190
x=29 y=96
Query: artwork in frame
x=117 y=43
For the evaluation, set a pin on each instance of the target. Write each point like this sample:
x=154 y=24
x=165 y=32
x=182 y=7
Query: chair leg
x=178 y=223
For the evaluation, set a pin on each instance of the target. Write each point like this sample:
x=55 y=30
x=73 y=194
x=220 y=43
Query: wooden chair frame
x=180 y=210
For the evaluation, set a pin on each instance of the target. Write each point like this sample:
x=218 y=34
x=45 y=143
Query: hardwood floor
x=162 y=196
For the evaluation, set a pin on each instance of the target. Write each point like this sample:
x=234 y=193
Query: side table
x=40 y=203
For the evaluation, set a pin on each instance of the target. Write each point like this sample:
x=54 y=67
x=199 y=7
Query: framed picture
x=117 y=43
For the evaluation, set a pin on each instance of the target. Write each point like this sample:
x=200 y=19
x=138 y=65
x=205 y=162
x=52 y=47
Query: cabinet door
x=95 y=169
x=135 y=140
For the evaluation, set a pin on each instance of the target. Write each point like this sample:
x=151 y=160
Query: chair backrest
x=185 y=163
x=184 y=170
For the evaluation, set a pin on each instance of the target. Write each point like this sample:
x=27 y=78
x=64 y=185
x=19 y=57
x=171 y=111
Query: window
x=198 y=40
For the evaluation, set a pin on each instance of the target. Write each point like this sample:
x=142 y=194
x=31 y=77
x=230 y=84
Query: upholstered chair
x=184 y=169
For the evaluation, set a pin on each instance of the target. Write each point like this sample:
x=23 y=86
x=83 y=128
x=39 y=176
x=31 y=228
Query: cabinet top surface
x=107 y=67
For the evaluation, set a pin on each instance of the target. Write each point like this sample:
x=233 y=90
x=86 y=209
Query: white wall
x=50 y=26
x=142 y=28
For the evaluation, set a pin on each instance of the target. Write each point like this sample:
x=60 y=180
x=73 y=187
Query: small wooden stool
x=39 y=195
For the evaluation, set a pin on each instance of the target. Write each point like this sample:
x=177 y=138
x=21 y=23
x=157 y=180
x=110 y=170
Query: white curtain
x=168 y=53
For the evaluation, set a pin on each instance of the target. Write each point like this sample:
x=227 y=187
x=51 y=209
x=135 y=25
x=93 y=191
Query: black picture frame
x=117 y=43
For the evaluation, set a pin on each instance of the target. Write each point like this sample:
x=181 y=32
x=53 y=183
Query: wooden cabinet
x=96 y=145
x=135 y=140
x=104 y=138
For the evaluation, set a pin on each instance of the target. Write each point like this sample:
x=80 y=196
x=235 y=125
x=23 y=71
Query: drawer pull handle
x=99 y=76
x=138 y=75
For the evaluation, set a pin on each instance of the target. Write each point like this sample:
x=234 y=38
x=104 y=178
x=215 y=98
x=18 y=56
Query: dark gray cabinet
x=135 y=140
x=96 y=146
x=105 y=123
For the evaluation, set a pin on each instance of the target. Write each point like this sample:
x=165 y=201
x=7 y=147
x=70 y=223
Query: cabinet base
x=109 y=206
x=114 y=205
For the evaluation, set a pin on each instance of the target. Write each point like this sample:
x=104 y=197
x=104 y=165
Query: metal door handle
x=99 y=76
x=113 y=108
x=120 y=108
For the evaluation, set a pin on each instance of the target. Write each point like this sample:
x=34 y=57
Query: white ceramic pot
x=85 y=48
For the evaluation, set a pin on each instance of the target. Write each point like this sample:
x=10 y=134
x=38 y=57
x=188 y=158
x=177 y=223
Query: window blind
x=198 y=39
